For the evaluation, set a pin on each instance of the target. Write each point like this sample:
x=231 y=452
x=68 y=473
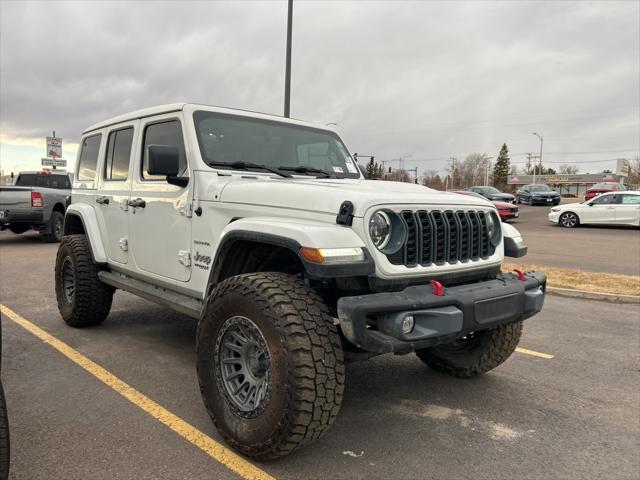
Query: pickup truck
x=36 y=201
x=264 y=229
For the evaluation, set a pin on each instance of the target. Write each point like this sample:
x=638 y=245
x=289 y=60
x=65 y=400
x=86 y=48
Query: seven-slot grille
x=439 y=237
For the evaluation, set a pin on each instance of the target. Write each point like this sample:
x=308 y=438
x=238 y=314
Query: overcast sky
x=427 y=79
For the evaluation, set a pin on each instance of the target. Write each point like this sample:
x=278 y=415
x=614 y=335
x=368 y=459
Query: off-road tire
x=480 y=352
x=4 y=437
x=306 y=361
x=91 y=299
x=52 y=233
x=565 y=220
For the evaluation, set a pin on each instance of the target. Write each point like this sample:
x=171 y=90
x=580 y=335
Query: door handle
x=137 y=203
x=102 y=200
x=611 y=208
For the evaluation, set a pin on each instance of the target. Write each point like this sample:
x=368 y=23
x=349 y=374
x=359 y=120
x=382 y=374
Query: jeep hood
x=326 y=196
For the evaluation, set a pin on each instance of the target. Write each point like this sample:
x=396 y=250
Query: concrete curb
x=603 y=297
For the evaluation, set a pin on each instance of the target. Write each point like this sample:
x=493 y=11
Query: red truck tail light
x=36 y=200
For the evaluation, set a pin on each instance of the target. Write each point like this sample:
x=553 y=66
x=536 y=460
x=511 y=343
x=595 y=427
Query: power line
x=498 y=125
x=435 y=159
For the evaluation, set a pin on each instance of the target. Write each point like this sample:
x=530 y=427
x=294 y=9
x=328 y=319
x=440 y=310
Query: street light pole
x=534 y=164
x=287 y=75
x=401 y=161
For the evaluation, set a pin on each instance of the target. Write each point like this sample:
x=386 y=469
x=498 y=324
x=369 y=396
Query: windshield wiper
x=302 y=170
x=248 y=165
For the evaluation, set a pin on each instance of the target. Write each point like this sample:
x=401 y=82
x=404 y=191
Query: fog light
x=408 y=323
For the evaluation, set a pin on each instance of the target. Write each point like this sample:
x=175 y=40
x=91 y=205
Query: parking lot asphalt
x=576 y=415
x=588 y=247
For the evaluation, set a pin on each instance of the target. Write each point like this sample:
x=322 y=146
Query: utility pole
x=287 y=75
x=534 y=168
x=453 y=170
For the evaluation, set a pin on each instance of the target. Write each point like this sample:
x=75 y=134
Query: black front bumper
x=373 y=322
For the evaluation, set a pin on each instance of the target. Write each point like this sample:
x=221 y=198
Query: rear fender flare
x=87 y=216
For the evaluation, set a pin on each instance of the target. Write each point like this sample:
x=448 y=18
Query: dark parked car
x=506 y=210
x=493 y=194
x=604 y=187
x=538 y=194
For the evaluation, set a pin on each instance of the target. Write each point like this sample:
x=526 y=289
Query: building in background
x=567 y=185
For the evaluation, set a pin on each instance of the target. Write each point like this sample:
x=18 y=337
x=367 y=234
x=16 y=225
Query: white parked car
x=612 y=208
x=264 y=229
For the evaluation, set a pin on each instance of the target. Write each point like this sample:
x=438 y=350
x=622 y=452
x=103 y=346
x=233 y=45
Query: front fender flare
x=514 y=245
x=87 y=216
x=293 y=234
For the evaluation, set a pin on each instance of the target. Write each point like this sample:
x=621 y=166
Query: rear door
x=115 y=189
x=628 y=210
x=160 y=224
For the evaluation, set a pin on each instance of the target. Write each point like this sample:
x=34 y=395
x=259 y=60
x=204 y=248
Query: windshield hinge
x=186 y=210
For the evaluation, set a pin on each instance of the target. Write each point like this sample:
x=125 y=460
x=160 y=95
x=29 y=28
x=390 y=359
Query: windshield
x=490 y=190
x=230 y=139
x=539 y=188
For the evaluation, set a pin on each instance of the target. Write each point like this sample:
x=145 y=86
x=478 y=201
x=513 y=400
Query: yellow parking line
x=205 y=443
x=534 y=353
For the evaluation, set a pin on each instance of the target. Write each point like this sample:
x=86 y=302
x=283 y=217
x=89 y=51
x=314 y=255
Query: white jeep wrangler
x=265 y=230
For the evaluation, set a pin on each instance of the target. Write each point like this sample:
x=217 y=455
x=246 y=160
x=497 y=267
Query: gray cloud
x=432 y=79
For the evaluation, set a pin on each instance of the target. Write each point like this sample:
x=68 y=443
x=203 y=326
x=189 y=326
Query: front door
x=160 y=223
x=601 y=210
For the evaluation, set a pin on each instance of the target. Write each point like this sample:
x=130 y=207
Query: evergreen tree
x=501 y=168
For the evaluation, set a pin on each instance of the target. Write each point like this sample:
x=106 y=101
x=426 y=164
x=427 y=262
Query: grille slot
x=439 y=237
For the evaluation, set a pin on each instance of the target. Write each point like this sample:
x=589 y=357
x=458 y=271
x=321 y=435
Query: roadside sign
x=54 y=147
x=54 y=162
x=623 y=168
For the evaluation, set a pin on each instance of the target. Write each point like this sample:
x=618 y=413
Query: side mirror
x=163 y=160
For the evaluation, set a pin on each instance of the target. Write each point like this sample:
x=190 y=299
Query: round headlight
x=493 y=227
x=387 y=231
x=380 y=229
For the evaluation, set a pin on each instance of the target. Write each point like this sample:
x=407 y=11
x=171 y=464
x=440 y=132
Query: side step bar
x=168 y=298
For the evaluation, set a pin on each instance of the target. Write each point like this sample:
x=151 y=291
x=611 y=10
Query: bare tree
x=568 y=169
x=473 y=170
x=634 y=172
x=431 y=179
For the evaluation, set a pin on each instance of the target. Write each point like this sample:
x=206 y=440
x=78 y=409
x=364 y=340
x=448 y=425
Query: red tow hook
x=438 y=289
x=521 y=276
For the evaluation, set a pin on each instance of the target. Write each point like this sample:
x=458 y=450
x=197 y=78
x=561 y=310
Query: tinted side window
x=606 y=200
x=164 y=133
x=89 y=158
x=116 y=166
